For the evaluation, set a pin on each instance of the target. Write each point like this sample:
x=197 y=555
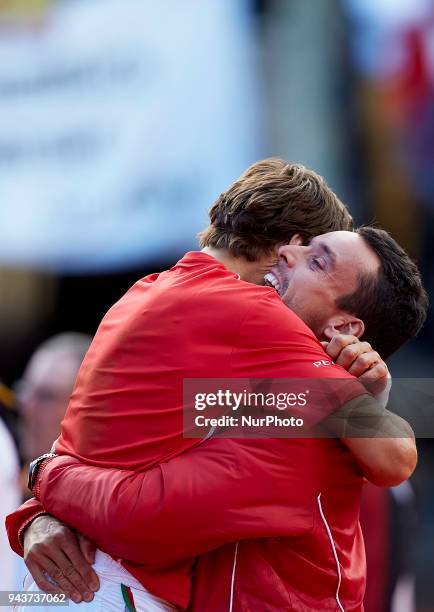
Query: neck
x=250 y=271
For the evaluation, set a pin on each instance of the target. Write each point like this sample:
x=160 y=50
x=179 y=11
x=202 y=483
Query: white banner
x=120 y=122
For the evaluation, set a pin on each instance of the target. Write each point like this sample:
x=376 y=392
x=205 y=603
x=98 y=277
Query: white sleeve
x=383 y=396
x=10 y=499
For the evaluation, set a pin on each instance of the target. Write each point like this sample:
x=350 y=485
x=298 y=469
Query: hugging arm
x=219 y=492
x=207 y=497
x=103 y=521
x=387 y=456
x=372 y=456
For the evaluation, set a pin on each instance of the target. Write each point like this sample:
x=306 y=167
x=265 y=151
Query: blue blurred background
x=122 y=120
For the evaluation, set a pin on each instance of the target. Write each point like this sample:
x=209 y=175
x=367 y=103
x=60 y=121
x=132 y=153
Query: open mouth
x=272 y=281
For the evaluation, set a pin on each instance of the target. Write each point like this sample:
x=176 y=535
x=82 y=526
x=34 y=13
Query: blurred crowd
x=30 y=424
x=344 y=86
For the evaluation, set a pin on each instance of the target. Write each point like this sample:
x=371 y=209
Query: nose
x=291 y=253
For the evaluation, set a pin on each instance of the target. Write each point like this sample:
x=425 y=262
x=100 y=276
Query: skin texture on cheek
x=313 y=318
x=313 y=302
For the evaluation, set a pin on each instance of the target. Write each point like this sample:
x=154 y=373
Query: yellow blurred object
x=23 y=11
x=6 y=396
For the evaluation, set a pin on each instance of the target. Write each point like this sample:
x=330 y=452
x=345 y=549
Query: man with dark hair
x=397 y=284
x=388 y=293
x=221 y=327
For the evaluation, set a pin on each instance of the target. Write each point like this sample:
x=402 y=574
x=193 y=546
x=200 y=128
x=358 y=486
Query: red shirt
x=319 y=570
x=197 y=320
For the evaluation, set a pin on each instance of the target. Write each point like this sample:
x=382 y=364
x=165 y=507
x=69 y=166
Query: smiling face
x=310 y=279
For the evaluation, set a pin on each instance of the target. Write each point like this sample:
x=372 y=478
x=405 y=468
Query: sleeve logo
x=322 y=362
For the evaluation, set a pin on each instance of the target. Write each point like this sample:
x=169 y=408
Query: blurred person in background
x=388 y=520
x=9 y=483
x=44 y=390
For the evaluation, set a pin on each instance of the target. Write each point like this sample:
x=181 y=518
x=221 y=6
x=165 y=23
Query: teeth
x=272 y=280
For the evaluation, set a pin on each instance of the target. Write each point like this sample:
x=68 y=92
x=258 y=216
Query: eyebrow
x=331 y=256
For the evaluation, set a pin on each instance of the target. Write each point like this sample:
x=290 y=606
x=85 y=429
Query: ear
x=297 y=239
x=344 y=324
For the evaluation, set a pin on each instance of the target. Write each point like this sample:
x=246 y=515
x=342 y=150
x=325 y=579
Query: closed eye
x=318 y=263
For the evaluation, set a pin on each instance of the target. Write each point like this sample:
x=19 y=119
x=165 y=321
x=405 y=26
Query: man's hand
x=360 y=360
x=50 y=547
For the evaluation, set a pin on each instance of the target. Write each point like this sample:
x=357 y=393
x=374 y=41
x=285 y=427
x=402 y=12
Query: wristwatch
x=34 y=468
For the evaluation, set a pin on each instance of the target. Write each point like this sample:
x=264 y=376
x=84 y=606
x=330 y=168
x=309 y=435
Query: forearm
x=189 y=505
x=381 y=442
x=387 y=461
x=19 y=520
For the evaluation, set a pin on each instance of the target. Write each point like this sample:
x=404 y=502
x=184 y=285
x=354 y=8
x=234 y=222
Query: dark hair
x=270 y=202
x=392 y=304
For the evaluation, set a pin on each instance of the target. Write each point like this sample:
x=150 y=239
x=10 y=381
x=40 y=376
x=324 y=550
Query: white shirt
x=10 y=499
